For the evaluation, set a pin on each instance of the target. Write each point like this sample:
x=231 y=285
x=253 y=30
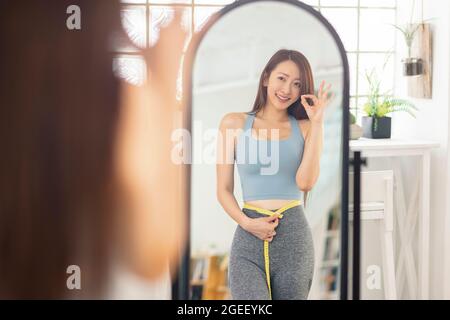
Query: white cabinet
x=411 y=219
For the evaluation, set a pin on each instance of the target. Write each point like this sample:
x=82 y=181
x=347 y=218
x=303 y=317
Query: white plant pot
x=356 y=132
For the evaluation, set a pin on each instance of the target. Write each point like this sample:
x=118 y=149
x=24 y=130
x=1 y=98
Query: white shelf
x=330 y=263
x=332 y=233
x=368 y=206
x=364 y=144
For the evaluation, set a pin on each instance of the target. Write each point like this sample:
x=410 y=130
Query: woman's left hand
x=315 y=112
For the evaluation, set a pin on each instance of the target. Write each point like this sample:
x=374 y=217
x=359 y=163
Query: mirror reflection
x=266 y=156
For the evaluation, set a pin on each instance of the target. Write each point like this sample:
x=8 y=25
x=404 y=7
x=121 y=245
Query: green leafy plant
x=408 y=31
x=389 y=105
x=380 y=104
x=352 y=118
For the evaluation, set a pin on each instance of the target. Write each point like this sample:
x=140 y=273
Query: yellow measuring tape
x=266 y=243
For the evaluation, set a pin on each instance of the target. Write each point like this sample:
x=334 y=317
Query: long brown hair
x=59 y=109
x=306 y=85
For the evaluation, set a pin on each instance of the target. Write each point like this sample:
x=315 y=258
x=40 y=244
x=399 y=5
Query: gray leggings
x=291 y=263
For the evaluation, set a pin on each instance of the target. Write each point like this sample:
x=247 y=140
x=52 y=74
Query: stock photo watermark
x=73 y=282
x=209 y=144
x=373 y=281
x=73 y=21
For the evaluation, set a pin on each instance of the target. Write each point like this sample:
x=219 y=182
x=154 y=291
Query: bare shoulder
x=304 y=125
x=233 y=120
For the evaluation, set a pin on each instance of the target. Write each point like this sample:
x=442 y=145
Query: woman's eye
x=298 y=84
x=280 y=78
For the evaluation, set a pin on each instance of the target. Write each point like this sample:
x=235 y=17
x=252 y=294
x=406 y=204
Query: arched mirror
x=230 y=256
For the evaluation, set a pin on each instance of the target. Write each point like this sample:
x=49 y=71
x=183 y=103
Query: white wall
x=432 y=123
x=447 y=219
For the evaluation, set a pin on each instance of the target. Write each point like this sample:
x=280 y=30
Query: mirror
x=228 y=60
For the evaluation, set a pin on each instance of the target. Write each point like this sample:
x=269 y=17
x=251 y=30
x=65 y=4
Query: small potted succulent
x=412 y=66
x=376 y=124
x=356 y=131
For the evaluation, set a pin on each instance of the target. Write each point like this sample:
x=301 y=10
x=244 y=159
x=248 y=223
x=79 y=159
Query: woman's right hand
x=263 y=228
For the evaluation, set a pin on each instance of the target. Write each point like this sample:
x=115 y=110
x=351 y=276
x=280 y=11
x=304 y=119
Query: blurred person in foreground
x=86 y=177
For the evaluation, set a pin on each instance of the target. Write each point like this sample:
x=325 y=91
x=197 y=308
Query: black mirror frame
x=180 y=286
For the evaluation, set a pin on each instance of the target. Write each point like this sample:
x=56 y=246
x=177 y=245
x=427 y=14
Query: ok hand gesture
x=316 y=110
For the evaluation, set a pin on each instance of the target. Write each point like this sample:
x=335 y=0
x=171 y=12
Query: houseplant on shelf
x=376 y=124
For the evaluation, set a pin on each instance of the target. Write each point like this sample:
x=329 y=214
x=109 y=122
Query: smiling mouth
x=281 y=98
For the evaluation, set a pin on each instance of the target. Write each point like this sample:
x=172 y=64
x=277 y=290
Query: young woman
x=287 y=109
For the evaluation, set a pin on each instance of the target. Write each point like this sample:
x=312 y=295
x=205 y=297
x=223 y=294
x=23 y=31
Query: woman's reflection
x=277 y=148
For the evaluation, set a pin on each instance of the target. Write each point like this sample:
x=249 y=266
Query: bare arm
x=144 y=175
x=225 y=170
x=308 y=172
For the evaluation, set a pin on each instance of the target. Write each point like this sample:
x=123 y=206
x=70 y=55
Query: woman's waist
x=252 y=210
x=292 y=218
x=269 y=204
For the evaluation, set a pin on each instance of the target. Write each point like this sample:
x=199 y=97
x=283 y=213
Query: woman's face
x=283 y=85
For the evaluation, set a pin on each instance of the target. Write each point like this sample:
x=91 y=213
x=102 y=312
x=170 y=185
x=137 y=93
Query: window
x=142 y=20
x=365 y=29
x=363 y=25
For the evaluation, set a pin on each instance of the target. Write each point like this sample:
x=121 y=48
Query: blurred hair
x=59 y=108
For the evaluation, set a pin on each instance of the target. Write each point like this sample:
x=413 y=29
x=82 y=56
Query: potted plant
x=411 y=66
x=376 y=124
x=356 y=131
